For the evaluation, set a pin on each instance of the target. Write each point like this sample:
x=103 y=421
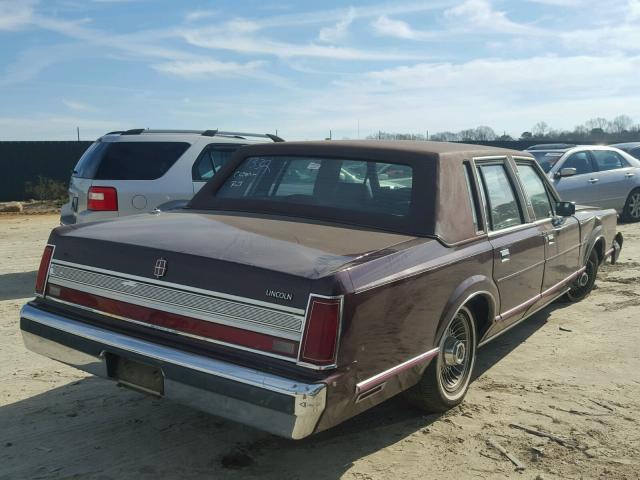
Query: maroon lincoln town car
x=310 y=281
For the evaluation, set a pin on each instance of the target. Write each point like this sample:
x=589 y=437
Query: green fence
x=22 y=162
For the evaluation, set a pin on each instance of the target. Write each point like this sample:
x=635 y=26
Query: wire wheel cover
x=456 y=354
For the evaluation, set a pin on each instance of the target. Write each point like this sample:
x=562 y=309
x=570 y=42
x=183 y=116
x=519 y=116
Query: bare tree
x=484 y=133
x=597 y=123
x=621 y=123
x=540 y=129
x=445 y=137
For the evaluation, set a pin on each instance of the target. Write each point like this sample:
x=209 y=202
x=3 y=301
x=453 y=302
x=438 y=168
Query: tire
x=631 y=211
x=445 y=382
x=580 y=290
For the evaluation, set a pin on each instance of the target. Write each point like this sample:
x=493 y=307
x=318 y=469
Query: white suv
x=137 y=171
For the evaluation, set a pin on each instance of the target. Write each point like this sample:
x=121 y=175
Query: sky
x=307 y=67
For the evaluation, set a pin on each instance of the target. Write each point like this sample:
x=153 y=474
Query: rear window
x=129 y=160
x=547 y=159
x=341 y=184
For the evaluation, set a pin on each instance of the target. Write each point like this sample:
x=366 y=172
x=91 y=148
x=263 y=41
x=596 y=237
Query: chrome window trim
x=504 y=161
x=169 y=330
x=226 y=296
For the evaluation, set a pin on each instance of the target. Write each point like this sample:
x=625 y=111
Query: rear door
x=209 y=162
x=615 y=179
x=578 y=188
x=518 y=246
x=561 y=234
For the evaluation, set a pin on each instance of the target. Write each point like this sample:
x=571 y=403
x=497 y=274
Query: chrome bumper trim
x=85 y=346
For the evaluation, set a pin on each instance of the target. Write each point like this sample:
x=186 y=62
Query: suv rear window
x=129 y=160
x=349 y=185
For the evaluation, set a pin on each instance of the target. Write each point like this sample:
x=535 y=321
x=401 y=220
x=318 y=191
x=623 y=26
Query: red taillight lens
x=41 y=280
x=320 y=339
x=103 y=199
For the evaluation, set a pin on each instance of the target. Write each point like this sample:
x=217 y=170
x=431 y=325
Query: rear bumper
x=269 y=402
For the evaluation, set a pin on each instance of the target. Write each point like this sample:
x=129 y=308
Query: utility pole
x=78 y=131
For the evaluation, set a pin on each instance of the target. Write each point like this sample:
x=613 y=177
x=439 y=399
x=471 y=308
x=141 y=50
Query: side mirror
x=566 y=172
x=565 y=209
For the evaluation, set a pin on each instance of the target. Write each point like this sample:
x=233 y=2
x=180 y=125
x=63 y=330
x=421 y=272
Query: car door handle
x=505 y=255
x=594 y=180
x=629 y=175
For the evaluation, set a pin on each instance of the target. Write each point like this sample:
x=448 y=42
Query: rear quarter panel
x=399 y=305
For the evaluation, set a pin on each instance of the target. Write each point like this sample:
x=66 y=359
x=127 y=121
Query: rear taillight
x=41 y=280
x=320 y=338
x=103 y=199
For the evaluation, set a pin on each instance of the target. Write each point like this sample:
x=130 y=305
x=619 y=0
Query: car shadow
x=17 y=285
x=92 y=429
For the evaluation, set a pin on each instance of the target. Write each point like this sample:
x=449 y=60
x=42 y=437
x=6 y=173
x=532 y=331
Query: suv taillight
x=102 y=199
x=43 y=270
x=320 y=338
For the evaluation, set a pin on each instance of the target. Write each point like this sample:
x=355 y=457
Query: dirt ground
x=571 y=370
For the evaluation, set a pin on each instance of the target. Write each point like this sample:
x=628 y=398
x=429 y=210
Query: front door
x=518 y=246
x=579 y=188
x=561 y=234
x=615 y=179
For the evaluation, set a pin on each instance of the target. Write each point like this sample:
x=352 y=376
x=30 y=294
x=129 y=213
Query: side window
x=475 y=211
x=580 y=161
x=211 y=160
x=608 y=160
x=535 y=191
x=203 y=168
x=502 y=204
x=298 y=178
x=635 y=153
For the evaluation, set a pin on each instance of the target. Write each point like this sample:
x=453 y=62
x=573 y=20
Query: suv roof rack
x=551 y=146
x=205 y=133
x=213 y=133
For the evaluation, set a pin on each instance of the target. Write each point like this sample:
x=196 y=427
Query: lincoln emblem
x=161 y=268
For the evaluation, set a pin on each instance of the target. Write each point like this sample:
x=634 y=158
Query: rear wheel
x=583 y=285
x=631 y=211
x=446 y=380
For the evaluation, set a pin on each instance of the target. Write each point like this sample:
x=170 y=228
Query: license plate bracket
x=138 y=376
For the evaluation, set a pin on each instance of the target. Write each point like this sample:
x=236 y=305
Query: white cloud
x=229 y=38
x=479 y=14
x=15 y=15
x=338 y=31
x=56 y=127
x=511 y=94
x=389 y=27
x=78 y=106
x=206 y=68
x=634 y=9
x=196 y=15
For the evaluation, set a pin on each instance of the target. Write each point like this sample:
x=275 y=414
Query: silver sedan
x=601 y=176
